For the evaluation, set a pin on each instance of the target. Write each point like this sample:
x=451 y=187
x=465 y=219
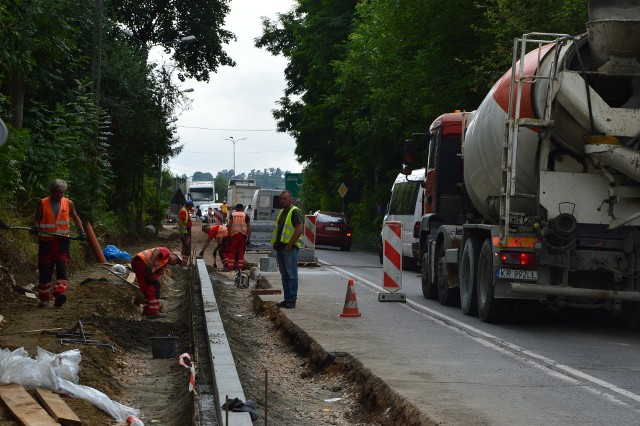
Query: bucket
x=164 y=347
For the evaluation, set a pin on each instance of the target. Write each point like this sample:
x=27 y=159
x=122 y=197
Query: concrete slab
x=226 y=380
x=268 y=264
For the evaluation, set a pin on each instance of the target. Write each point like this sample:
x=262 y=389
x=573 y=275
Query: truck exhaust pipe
x=613 y=35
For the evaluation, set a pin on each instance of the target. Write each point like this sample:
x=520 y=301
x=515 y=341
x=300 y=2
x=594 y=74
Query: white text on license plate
x=516 y=274
x=332 y=228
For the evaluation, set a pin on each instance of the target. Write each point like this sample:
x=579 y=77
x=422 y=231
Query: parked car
x=333 y=229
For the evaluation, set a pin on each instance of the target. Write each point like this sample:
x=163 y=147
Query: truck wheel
x=490 y=309
x=446 y=295
x=429 y=288
x=469 y=276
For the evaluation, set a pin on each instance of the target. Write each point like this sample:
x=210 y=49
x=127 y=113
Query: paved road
x=552 y=369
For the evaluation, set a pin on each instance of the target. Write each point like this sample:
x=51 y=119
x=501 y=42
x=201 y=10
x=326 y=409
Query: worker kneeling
x=148 y=265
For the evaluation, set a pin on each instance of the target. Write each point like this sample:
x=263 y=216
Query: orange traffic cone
x=350 y=303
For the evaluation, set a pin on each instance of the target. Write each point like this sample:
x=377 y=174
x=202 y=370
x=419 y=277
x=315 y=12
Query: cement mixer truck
x=535 y=196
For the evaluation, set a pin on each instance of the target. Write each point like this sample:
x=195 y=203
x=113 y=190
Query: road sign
x=292 y=183
x=342 y=190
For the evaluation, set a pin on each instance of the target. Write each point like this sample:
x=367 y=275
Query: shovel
x=25 y=228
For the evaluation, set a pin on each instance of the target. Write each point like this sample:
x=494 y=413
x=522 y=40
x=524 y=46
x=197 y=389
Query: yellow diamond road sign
x=342 y=190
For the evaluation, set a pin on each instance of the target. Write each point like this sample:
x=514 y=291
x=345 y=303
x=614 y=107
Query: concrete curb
x=225 y=375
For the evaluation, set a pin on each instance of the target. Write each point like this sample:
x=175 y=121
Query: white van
x=264 y=209
x=406 y=207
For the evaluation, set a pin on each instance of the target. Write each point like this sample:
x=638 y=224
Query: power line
x=226 y=153
x=230 y=130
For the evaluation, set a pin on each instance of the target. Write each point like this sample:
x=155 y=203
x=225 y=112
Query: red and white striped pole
x=392 y=262
x=309 y=234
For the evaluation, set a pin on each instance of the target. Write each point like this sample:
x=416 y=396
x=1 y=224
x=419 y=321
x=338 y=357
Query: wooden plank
x=23 y=407
x=57 y=408
x=265 y=291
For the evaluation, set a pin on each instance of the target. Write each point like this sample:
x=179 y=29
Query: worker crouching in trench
x=148 y=265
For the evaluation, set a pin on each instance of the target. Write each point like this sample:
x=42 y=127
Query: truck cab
x=444 y=203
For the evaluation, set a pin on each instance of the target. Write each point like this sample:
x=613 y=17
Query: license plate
x=332 y=228
x=516 y=274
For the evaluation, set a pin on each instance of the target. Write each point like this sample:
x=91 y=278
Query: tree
x=161 y=22
x=36 y=36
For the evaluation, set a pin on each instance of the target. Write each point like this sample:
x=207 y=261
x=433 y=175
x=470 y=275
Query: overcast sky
x=237 y=102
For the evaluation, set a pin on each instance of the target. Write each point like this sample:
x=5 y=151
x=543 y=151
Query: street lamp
x=231 y=138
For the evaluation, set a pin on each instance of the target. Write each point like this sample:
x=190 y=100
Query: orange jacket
x=160 y=263
x=49 y=223
x=218 y=232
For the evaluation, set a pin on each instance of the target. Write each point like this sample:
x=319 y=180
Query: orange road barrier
x=93 y=242
x=350 y=309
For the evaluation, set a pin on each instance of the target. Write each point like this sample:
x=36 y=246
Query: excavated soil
x=288 y=377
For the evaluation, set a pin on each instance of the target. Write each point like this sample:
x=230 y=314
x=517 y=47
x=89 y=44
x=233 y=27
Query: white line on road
x=547 y=365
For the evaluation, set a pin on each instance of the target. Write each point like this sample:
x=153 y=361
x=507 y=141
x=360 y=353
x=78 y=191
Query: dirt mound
x=102 y=304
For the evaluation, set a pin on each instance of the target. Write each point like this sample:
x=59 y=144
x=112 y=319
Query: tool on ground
x=122 y=278
x=77 y=335
x=26 y=228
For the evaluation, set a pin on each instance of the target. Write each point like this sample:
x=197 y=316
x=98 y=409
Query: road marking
x=547 y=365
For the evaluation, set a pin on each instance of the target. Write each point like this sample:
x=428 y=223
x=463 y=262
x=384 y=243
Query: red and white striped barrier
x=392 y=256
x=218 y=218
x=309 y=234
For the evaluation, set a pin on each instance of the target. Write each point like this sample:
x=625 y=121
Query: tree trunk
x=16 y=89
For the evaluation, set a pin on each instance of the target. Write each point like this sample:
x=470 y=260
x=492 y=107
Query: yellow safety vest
x=287 y=229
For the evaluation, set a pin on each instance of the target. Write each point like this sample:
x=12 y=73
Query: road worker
x=220 y=234
x=286 y=242
x=224 y=208
x=184 y=228
x=52 y=216
x=148 y=265
x=239 y=232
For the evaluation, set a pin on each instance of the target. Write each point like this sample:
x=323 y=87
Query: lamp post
x=232 y=139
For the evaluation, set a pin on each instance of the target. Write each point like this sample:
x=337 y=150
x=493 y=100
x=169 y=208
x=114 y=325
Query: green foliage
x=112 y=156
x=362 y=79
x=508 y=19
x=272 y=178
x=221 y=184
x=163 y=22
x=200 y=176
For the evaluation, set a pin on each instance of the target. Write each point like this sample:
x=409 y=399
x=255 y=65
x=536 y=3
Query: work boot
x=60 y=299
x=43 y=304
x=287 y=304
x=157 y=315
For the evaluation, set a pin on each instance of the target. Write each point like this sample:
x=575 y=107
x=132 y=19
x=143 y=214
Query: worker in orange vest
x=239 y=232
x=53 y=215
x=148 y=265
x=220 y=234
x=184 y=228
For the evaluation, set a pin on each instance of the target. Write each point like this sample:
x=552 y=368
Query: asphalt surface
x=453 y=374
